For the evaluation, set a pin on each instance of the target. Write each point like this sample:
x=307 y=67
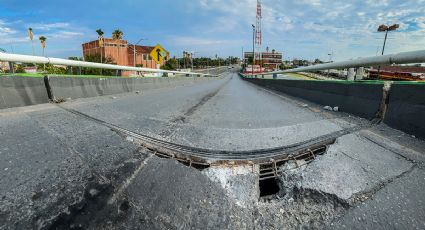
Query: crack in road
x=169 y=131
x=189 y=112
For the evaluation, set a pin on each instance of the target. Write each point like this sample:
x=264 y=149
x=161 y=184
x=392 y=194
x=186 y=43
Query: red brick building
x=122 y=53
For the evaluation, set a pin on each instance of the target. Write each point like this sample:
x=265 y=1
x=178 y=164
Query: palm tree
x=100 y=36
x=117 y=36
x=43 y=43
x=31 y=36
x=43 y=46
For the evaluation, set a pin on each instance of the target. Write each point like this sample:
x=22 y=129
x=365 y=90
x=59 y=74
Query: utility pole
x=192 y=54
x=134 y=53
x=191 y=58
x=253 y=49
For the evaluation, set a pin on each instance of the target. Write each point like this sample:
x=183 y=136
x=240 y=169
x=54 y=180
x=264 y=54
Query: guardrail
x=399 y=58
x=58 y=61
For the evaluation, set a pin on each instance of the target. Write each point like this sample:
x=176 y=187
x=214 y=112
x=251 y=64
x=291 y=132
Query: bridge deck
x=52 y=159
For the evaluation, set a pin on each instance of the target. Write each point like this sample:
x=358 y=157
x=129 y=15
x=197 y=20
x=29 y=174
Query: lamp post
x=253 y=49
x=330 y=60
x=192 y=54
x=134 y=52
x=386 y=29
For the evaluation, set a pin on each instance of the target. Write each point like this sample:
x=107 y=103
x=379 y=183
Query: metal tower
x=258 y=33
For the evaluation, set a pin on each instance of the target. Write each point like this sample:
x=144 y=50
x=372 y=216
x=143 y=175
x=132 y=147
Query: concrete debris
x=335 y=109
x=328 y=108
x=352 y=166
x=240 y=182
x=36 y=195
x=93 y=192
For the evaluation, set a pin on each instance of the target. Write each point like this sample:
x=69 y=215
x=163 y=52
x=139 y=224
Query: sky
x=305 y=29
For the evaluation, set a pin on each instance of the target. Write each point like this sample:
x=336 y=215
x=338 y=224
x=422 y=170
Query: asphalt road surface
x=58 y=169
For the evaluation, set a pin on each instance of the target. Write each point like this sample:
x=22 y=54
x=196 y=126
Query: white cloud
x=49 y=26
x=195 y=41
x=313 y=28
x=5 y=29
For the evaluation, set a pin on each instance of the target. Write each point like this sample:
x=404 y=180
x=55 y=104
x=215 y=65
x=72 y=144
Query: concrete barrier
x=74 y=87
x=406 y=108
x=22 y=91
x=361 y=99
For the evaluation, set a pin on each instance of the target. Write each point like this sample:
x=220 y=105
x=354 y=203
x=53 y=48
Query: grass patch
x=346 y=81
x=300 y=76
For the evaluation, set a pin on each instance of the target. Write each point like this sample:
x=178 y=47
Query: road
x=58 y=168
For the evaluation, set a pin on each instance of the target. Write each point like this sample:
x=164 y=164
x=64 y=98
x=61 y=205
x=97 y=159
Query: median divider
x=74 y=87
x=17 y=91
x=360 y=99
x=406 y=108
x=22 y=91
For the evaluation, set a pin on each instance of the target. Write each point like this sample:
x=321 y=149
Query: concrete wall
x=405 y=104
x=71 y=87
x=22 y=91
x=406 y=108
x=361 y=99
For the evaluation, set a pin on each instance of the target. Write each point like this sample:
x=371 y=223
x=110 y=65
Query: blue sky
x=300 y=29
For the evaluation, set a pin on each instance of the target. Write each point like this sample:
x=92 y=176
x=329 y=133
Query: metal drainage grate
x=273 y=169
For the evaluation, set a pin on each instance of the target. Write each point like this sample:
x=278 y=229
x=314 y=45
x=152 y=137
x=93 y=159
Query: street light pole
x=386 y=29
x=192 y=54
x=253 y=49
x=385 y=41
x=330 y=58
x=134 y=52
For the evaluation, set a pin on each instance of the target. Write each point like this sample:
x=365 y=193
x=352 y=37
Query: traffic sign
x=159 y=54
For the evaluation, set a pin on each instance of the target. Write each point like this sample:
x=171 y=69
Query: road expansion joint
x=193 y=155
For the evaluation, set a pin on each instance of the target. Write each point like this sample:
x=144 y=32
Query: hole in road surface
x=269 y=187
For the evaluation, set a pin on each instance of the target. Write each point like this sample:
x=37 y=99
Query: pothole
x=272 y=192
x=269 y=187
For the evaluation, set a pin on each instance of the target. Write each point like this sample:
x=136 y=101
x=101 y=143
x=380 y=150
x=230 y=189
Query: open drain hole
x=269 y=187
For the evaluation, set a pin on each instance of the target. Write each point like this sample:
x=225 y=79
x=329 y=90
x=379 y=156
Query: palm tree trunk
x=32 y=44
x=44 y=64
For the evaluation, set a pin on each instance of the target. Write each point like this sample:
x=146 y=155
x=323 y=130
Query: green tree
x=93 y=71
x=42 y=43
x=19 y=69
x=100 y=37
x=51 y=69
x=117 y=35
x=171 y=64
x=31 y=36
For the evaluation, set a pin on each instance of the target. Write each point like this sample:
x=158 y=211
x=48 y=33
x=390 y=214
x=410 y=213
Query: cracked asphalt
x=57 y=169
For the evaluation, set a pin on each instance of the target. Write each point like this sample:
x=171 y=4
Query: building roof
x=141 y=49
